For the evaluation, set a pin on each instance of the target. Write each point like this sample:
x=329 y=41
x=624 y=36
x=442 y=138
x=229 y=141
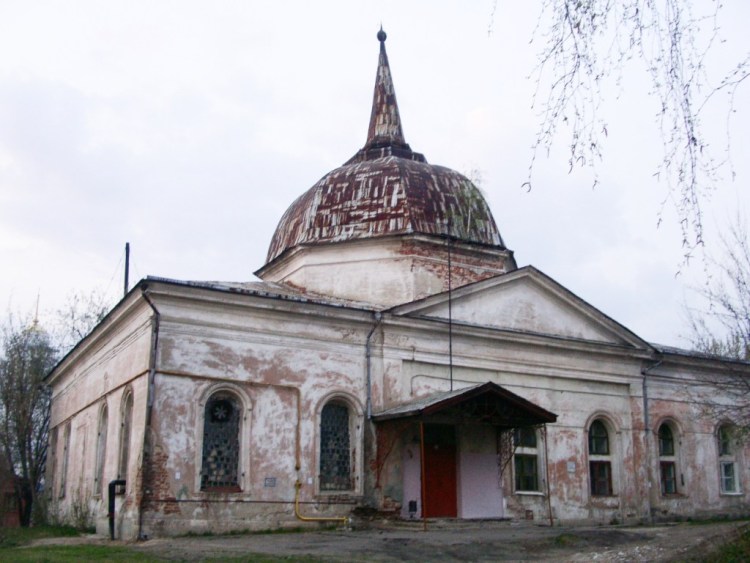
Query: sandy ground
x=454 y=541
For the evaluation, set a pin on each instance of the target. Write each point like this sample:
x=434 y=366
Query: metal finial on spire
x=381 y=34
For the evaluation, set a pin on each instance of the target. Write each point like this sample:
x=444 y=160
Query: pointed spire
x=384 y=137
x=385 y=123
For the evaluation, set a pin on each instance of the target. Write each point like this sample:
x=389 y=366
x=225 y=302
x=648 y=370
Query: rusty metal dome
x=386 y=189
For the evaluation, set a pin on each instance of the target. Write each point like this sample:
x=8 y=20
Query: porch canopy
x=487 y=403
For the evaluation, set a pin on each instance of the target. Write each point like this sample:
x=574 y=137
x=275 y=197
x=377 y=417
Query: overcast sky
x=187 y=128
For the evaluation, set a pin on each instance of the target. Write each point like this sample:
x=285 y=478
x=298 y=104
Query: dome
x=385 y=196
x=386 y=189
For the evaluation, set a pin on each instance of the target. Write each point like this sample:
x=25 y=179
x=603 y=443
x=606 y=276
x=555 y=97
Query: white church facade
x=393 y=357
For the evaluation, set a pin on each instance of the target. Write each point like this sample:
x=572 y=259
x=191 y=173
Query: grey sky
x=187 y=128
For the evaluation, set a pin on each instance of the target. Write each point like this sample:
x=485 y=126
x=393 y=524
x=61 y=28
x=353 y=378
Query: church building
x=394 y=358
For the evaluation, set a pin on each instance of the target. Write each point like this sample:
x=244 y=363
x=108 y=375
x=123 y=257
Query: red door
x=440 y=471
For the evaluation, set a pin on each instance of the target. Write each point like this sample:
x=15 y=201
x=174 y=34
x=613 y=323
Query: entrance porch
x=465 y=438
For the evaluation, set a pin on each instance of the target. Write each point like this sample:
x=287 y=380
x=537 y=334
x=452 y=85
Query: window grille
x=221 y=443
x=335 y=451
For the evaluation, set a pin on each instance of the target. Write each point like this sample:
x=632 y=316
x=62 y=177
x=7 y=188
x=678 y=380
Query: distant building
x=393 y=357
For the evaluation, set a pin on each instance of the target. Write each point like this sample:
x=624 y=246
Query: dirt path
x=480 y=541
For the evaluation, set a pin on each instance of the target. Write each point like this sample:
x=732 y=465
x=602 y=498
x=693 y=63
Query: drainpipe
x=647 y=437
x=155 y=320
x=423 y=483
x=546 y=469
x=298 y=485
x=368 y=352
x=112 y=491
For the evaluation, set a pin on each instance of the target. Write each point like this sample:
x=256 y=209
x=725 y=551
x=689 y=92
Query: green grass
x=13 y=537
x=564 y=540
x=14 y=547
x=104 y=553
x=13 y=542
x=50 y=553
x=736 y=550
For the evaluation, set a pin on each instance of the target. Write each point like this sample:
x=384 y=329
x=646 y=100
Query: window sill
x=333 y=497
x=728 y=494
x=221 y=490
x=529 y=493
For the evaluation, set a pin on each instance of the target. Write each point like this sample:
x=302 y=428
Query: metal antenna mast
x=127 y=267
x=450 y=307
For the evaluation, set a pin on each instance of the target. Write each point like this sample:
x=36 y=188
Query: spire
x=385 y=136
x=385 y=123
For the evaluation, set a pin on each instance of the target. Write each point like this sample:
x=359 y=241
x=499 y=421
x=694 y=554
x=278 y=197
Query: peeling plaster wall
x=386 y=272
x=285 y=359
x=277 y=362
x=580 y=382
x=678 y=397
x=97 y=373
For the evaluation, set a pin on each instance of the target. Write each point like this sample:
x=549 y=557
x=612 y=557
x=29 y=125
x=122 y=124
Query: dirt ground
x=461 y=541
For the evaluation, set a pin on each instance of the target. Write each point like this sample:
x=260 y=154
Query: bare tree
x=26 y=356
x=28 y=353
x=79 y=315
x=585 y=44
x=722 y=325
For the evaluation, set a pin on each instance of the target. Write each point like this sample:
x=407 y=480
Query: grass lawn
x=13 y=542
x=737 y=550
x=14 y=547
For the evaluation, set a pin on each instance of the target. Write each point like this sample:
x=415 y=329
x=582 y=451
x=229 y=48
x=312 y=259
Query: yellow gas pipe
x=343 y=519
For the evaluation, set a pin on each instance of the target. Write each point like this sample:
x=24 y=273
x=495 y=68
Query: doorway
x=440 y=471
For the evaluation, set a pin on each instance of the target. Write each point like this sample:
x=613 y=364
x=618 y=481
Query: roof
x=386 y=189
x=487 y=403
x=266 y=289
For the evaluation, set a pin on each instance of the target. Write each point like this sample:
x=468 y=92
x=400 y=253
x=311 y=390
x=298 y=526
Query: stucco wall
x=284 y=360
x=113 y=362
x=284 y=366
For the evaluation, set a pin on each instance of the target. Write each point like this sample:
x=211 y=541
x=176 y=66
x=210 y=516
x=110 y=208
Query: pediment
x=527 y=301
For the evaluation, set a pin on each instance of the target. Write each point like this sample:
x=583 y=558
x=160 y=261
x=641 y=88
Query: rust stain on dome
x=387 y=196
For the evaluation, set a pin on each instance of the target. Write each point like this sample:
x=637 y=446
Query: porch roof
x=487 y=403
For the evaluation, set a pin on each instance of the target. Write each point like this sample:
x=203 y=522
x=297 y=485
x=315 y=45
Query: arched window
x=728 y=467
x=335 y=448
x=667 y=460
x=525 y=460
x=51 y=463
x=221 y=442
x=126 y=423
x=101 y=449
x=65 y=456
x=600 y=463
